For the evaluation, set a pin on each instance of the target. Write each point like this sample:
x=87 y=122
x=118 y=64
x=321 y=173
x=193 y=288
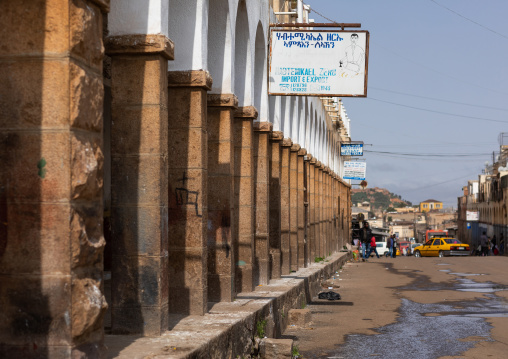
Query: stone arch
x=260 y=83
x=184 y=28
x=243 y=60
x=304 y=120
x=309 y=118
x=219 y=46
x=297 y=130
x=284 y=110
x=292 y=115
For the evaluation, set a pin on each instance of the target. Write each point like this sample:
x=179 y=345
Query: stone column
x=293 y=189
x=329 y=210
x=244 y=198
x=306 y=186
x=320 y=220
x=285 y=203
x=262 y=157
x=187 y=182
x=334 y=212
x=328 y=220
x=51 y=235
x=301 y=208
x=275 y=205
x=312 y=209
x=139 y=220
x=221 y=198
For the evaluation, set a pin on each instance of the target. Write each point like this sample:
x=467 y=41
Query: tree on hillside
x=359 y=197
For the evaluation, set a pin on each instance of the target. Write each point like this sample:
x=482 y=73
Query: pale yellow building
x=430 y=205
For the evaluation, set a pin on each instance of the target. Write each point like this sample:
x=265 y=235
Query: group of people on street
x=368 y=243
x=489 y=246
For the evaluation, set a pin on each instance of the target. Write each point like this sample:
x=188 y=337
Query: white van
x=381 y=238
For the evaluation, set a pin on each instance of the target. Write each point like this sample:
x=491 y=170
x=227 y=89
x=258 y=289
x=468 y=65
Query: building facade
x=146 y=171
x=430 y=205
x=482 y=208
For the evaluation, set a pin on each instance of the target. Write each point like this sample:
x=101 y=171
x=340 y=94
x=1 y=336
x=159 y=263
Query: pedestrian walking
x=484 y=243
x=501 y=244
x=373 y=247
x=365 y=236
x=390 y=245
x=394 y=250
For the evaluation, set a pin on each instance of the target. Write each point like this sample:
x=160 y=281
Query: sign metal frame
x=274 y=29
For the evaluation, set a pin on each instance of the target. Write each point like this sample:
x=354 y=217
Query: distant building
x=430 y=205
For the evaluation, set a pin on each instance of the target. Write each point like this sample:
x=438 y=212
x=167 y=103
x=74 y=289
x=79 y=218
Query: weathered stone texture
x=85 y=28
x=299 y=317
x=276 y=348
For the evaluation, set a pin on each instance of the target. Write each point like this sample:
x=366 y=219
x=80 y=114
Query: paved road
x=412 y=307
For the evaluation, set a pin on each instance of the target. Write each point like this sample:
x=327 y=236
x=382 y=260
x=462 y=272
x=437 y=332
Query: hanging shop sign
x=472 y=216
x=318 y=63
x=355 y=170
x=351 y=149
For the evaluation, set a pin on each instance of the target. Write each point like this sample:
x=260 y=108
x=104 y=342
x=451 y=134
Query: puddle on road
x=433 y=330
x=422 y=336
x=425 y=337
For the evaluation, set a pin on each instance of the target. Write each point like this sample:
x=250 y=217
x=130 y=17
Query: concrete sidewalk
x=228 y=329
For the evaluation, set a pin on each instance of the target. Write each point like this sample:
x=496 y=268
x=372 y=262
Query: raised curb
x=229 y=328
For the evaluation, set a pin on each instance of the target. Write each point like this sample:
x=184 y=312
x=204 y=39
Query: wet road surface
x=444 y=308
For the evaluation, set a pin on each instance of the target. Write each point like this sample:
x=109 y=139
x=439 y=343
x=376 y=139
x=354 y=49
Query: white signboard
x=317 y=63
x=355 y=170
x=351 y=149
x=472 y=216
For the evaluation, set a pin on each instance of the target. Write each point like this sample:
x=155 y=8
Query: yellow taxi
x=441 y=247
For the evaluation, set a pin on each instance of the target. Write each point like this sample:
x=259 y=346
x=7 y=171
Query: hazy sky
x=425 y=61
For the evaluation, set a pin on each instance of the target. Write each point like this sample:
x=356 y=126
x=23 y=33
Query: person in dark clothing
x=365 y=236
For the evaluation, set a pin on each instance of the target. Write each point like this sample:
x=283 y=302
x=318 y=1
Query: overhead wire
x=430 y=154
x=438 y=112
x=417 y=63
x=468 y=19
x=440 y=183
x=440 y=100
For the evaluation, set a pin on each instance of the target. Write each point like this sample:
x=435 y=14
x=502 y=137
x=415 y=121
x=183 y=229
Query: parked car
x=414 y=246
x=441 y=247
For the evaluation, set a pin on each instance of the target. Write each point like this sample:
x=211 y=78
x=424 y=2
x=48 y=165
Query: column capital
x=222 y=100
x=246 y=112
x=319 y=165
x=263 y=126
x=302 y=152
x=190 y=78
x=140 y=45
x=277 y=136
x=296 y=147
x=287 y=142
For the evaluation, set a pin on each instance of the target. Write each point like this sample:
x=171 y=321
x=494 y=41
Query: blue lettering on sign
x=351 y=150
x=293 y=71
x=304 y=40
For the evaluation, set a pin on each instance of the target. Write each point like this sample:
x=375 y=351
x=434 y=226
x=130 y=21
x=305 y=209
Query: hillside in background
x=379 y=198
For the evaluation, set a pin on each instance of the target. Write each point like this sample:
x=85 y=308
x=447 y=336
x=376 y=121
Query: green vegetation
x=318 y=259
x=260 y=328
x=295 y=352
x=378 y=198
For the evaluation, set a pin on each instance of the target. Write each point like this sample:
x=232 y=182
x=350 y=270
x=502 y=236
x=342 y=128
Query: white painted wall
x=232 y=45
x=129 y=17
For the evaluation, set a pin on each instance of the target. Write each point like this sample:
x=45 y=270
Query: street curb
x=229 y=329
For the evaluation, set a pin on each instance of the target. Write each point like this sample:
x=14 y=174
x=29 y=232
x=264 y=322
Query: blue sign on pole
x=351 y=149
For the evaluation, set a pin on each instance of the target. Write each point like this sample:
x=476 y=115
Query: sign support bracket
x=316 y=24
